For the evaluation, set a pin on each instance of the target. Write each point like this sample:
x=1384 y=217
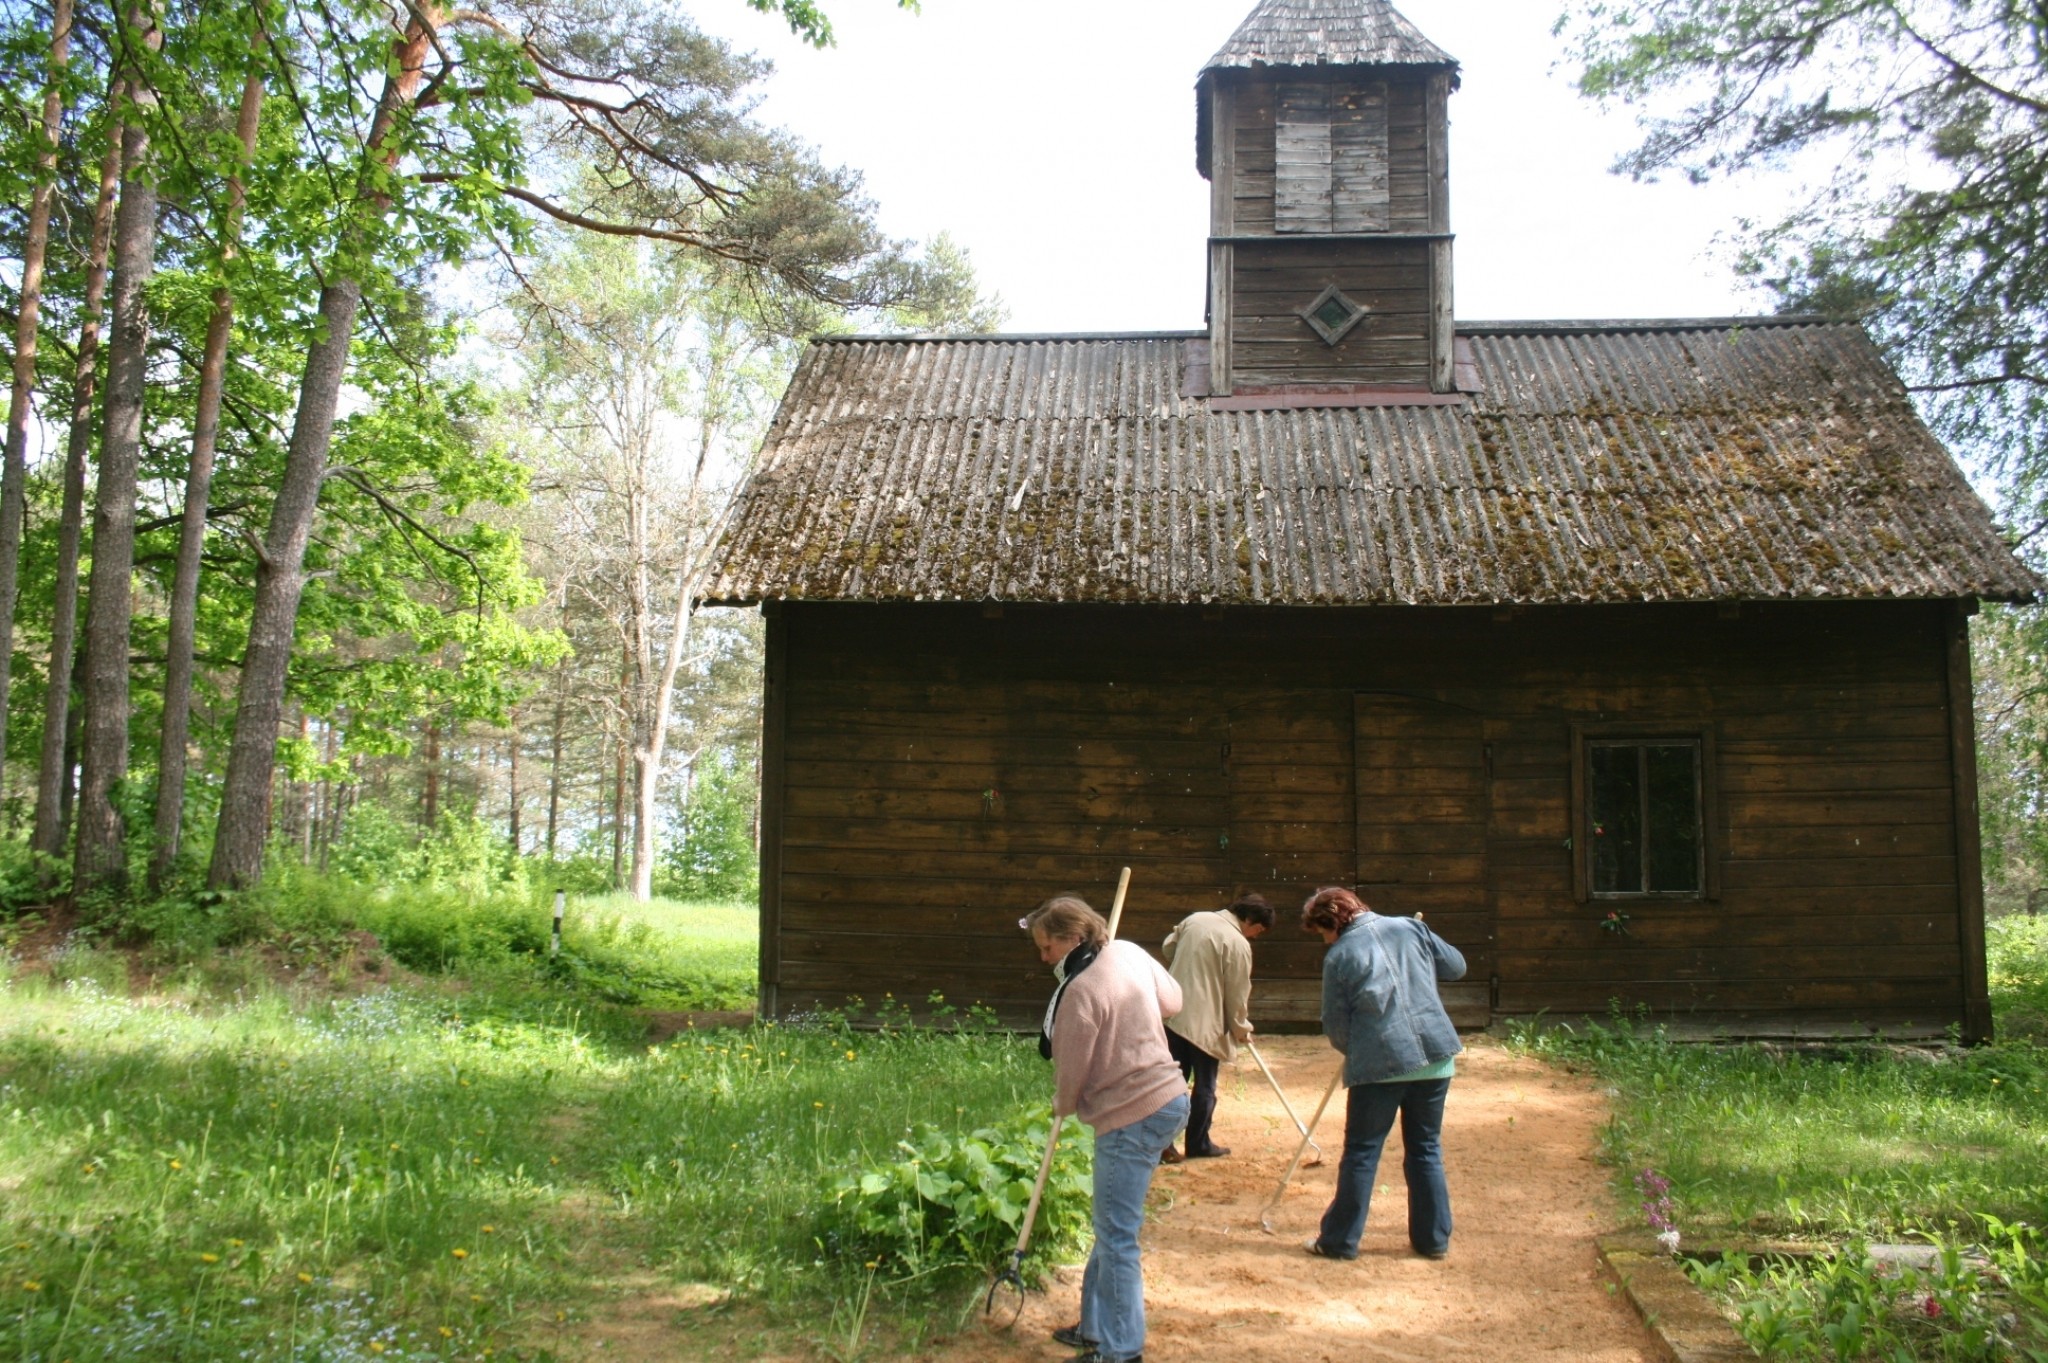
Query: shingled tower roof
x=1293 y=33
x=1327 y=33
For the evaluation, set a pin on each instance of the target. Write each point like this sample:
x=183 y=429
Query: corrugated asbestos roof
x=1601 y=462
x=1327 y=33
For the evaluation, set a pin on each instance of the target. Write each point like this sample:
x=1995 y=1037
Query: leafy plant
x=959 y=1200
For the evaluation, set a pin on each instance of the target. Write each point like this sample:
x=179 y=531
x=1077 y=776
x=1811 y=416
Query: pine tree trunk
x=100 y=858
x=555 y=771
x=512 y=787
x=280 y=572
x=53 y=771
x=14 y=462
x=67 y=802
x=176 y=730
x=619 y=755
x=650 y=758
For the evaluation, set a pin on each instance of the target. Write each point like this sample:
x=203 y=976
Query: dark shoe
x=1171 y=1155
x=1071 y=1336
x=1443 y=1253
x=1213 y=1152
x=1323 y=1251
x=1094 y=1354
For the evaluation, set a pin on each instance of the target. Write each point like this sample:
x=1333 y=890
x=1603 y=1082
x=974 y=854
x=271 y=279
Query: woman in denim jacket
x=1380 y=1008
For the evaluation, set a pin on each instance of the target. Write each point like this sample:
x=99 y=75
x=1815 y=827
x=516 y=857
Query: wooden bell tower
x=1322 y=132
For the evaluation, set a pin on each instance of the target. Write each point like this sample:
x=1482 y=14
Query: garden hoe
x=1266 y=1214
x=1289 y=1107
x=1010 y=1281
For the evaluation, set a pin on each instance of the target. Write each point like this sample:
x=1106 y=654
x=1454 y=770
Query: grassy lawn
x=1847 y=1147
x=480 y=1172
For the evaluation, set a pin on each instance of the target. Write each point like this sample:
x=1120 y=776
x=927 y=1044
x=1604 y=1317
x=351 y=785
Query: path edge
x=1687 y=1326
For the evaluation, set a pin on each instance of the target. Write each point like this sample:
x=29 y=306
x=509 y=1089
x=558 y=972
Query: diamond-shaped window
x=1332 y=315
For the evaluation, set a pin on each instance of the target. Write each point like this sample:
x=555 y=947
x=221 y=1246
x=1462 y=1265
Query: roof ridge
x=1523 y=326
x=1327 y=33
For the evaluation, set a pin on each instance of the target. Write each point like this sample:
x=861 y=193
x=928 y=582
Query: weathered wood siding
x=942 y=770
x=1271 y=283
x=1253 y=134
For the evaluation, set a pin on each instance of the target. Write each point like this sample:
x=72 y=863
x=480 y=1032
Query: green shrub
x=2018 y=956
x=958 y=1201
x=715 y=857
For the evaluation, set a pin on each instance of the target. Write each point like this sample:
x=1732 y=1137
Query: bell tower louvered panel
x=1322 y=131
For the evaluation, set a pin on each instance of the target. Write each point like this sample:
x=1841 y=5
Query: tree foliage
x=1923 y=125
x=373 y=610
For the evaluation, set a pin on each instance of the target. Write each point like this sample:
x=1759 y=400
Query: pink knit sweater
x=1109 y=1057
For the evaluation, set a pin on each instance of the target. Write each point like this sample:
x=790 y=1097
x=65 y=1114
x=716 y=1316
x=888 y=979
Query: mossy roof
x=1595 y=462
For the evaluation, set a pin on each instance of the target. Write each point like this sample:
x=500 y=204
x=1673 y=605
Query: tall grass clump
x=414 y=1174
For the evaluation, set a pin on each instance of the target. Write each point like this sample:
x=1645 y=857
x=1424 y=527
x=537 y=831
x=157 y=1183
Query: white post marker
x=555 y=944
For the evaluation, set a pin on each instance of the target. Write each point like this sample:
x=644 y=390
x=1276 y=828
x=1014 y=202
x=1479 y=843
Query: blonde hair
x=1068 y=915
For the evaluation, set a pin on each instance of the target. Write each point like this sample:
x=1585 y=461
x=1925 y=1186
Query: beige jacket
x=1211 y=958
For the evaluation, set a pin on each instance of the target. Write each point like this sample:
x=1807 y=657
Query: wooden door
x=1422 y=818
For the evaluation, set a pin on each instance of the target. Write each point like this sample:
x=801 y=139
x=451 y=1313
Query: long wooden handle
x=1280 y=1190
x=1116 y=908
x=1277 y=1090
x=1052 y=1138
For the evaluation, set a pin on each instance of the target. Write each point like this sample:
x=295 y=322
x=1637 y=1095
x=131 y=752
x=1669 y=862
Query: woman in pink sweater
x=1105 y=1033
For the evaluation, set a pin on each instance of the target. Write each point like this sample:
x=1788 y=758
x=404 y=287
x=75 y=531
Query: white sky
x=1055 y=140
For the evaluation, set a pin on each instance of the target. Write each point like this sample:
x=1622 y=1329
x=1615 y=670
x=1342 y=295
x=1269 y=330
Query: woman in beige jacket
x=1210 y=958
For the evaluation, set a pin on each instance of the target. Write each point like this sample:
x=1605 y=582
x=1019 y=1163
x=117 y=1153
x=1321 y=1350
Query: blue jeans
x=1368 y=1117
x=1113 y=1288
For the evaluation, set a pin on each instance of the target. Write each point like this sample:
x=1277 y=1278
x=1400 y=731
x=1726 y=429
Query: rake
x=1010 y=1281
x=1287 y=1106
x=1266 y=1213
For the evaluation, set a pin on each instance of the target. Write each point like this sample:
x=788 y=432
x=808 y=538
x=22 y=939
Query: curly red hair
x=1331 y=909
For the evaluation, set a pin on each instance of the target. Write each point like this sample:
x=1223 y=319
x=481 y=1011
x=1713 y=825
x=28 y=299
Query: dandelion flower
x=447 y=1333
x=30 y=1285
x=817 y=1105
x=236 y=1244
x=376 y=1346
x=306 y=1278
x=177 y=1164
x=209 y=1258
x=460 y=1253
x=490 y=1230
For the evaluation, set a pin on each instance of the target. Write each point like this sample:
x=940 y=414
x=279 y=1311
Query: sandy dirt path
x=1521 y=1283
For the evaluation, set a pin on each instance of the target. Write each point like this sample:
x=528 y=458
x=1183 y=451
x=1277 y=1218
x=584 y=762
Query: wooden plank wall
x=1252 y=140
x=944 y=770
x=1271 y=283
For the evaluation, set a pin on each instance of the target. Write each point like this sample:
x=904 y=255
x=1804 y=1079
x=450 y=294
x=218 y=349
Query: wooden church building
x=1634 y=654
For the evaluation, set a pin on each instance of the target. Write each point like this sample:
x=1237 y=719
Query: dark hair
x=1253 y=908
x=1331 y=909
x=1068 y=915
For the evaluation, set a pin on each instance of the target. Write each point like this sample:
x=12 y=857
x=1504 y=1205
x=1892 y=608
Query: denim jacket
x=1380 y=1005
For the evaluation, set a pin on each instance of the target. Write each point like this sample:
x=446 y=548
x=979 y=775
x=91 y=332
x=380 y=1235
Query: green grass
x=664 y=954
x=428 y=1175
x=1842 y=1146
